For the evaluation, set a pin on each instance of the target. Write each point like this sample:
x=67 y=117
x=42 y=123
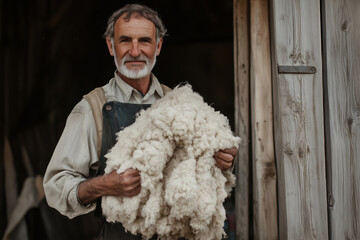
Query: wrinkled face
x=134 y=46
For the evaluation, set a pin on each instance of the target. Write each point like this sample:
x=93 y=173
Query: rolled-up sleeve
x=71 y=162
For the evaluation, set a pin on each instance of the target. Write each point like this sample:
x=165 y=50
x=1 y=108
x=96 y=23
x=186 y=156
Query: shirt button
x=108 y=107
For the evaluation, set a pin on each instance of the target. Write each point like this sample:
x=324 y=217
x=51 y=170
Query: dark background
x=52 y=53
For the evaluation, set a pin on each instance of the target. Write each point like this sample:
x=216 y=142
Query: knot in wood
x=345 y=26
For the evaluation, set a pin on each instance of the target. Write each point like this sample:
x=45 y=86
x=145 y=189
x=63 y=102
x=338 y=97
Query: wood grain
x=242 y=115
x=263 y=159
x=342 y=51
x=299 y=131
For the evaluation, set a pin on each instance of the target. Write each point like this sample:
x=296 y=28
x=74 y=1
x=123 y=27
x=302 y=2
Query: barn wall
x=316 y=103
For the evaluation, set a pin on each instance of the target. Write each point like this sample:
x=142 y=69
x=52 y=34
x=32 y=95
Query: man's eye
x=146 y=40
x=124 y=40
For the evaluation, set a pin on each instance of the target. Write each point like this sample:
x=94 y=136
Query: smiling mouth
x=135 y=62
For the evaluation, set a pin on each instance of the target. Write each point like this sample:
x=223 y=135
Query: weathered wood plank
x=298 y=110
x=342 y=51
x=264 y=170
x=242 y=115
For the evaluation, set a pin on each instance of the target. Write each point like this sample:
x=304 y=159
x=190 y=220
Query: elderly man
x=74 y=179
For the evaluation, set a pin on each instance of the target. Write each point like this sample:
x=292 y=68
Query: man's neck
x=141 y=84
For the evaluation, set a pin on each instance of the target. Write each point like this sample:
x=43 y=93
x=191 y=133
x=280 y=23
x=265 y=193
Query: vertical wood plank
x=264 y=170
x=342 y=56
x=299 y=131
x=242 y=115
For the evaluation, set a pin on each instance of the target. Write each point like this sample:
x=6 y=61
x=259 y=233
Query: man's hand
x=126 y=184
x=225 y=158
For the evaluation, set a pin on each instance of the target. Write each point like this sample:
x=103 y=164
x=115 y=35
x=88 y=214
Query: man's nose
x=135 y=51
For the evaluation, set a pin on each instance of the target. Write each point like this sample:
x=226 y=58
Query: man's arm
x=68 y=186
x=70 y=163
x=225 y=158
x=127 y=184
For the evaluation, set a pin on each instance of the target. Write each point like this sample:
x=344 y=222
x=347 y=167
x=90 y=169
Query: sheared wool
x=172 y=144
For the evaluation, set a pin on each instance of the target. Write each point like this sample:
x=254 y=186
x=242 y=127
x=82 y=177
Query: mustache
x=141 y=57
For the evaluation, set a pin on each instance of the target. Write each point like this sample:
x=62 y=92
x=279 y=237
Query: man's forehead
x=134 y=21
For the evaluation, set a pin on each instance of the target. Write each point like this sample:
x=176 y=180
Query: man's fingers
x=224 y=156
x=231 y=151
x=133 y=192
x=136 y=191
x=131 y=180
x=132 y=172
x=222 y=163
x=133 y=186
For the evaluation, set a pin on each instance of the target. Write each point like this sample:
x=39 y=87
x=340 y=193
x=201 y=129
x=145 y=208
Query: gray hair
x=141 y=10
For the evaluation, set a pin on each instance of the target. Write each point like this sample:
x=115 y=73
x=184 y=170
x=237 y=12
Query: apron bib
x=116 y=116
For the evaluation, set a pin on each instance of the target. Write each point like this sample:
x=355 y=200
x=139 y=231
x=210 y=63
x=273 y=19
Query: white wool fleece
x=182 y=191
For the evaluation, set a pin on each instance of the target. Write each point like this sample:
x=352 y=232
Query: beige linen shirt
x=76 y=150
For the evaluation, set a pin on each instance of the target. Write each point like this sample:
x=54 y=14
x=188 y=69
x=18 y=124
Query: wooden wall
x=341 y=41
x=316 y=116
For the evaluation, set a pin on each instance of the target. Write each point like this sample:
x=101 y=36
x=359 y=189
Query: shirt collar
x=128 y=91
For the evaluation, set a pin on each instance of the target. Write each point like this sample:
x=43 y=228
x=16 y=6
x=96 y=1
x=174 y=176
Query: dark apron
x=116 y=116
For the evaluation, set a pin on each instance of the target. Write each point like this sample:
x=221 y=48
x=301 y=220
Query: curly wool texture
x=172 y=145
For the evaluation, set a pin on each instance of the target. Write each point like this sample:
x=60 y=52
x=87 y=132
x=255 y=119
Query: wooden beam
x=242 y=115
x=299 y=122
x=264 y=169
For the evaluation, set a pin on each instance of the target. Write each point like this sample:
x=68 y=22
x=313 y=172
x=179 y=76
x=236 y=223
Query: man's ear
x=159 y=45
x=109 y=44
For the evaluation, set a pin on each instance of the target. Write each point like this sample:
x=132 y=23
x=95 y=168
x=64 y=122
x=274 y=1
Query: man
x=134 y=37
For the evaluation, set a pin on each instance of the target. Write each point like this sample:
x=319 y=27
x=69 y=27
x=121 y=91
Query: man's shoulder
x=82 y=107
x=165 y=88
x=96 y=97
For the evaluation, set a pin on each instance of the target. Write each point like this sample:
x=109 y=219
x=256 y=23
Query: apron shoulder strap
x=96 y=99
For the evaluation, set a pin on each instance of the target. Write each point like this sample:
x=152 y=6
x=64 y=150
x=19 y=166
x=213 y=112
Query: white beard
x=132 y=74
